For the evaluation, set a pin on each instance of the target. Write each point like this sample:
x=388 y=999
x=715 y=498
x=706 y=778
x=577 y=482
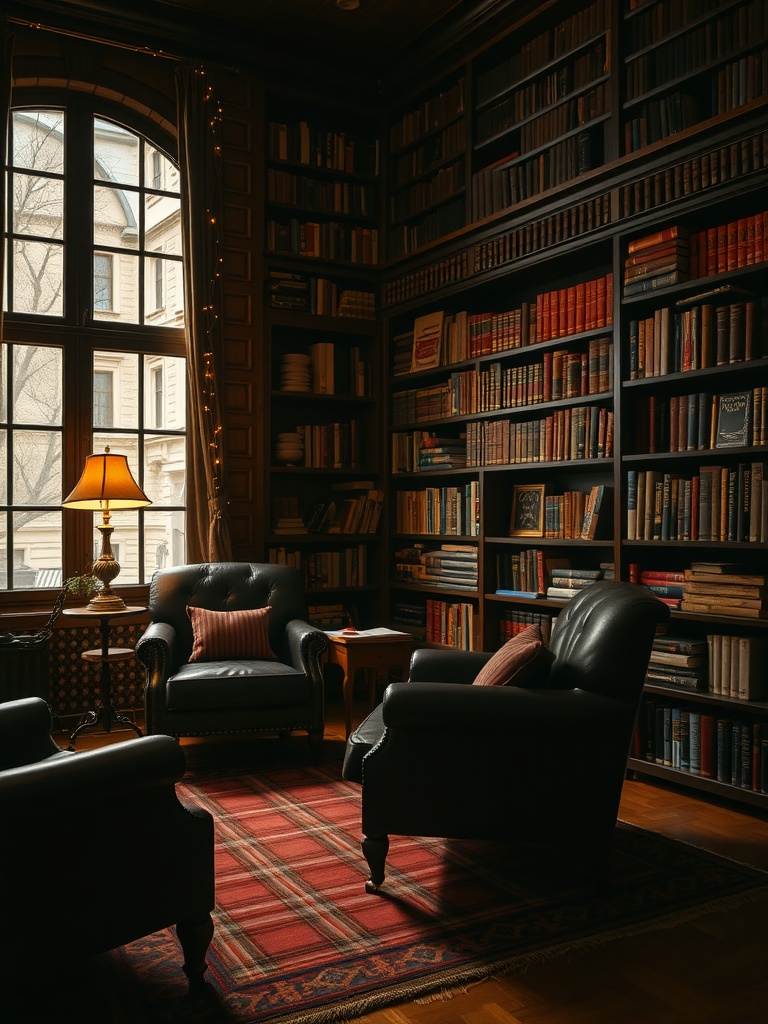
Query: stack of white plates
x=295 y=372
x=289 y=448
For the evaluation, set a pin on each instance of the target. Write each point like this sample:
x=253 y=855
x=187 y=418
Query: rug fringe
x=457 y=982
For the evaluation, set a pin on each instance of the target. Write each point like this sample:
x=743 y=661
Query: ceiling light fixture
x=347 y=5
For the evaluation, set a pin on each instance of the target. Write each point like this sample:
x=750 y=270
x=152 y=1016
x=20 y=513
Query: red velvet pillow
x=524 y=660
x=218 y=636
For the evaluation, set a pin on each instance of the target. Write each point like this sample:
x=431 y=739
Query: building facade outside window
x=94 y=348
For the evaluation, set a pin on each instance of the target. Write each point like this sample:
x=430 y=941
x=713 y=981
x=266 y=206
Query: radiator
x=23 y=669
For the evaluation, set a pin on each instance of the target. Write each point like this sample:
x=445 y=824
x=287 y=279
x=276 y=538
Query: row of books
x=353 y=514
x=720 y=503
x=573 y=221
x=722 y=664
x=301 y=293
x=350 y=198
x=326 y=570
x=436 y=149
x=451 y=623
x=513 y=622
x=652 y=26
x=736 y=243
x=535 y=53
x=451 y=510
x=556 y=84
x=559 y=374
x=702 y=421
x=581 y=307
x=443 y=220
x=694 y=175
x=415 y=199
x=312 y=144
x=558 y=163
x=725 y=748
x=701 y=43
x=326 y=240
x=330 y=445
x=451 y=565
x=660 y=118
x=575 y=515
x=430 y=114
x=554 y=121
x=424 y=451
x=581 y=432
x=696 y=334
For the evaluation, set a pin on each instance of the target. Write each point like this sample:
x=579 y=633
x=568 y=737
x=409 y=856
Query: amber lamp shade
x=106 y=484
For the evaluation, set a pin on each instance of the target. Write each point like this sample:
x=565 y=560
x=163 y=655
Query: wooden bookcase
x=324 y=490
x=519 y=179
x=706 y=175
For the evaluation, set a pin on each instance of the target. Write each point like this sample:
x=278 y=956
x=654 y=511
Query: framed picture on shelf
x=527 y=511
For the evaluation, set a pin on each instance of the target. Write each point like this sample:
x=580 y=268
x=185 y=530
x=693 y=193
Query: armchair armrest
x=25 y=732
x=306 y=645
x=156 y=649
x=106 y=774
x=447 y=666
x=436 y=709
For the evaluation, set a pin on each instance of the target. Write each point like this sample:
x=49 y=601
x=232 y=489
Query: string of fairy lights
x=211 y=406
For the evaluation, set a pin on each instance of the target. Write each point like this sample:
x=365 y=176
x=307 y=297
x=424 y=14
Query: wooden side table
x=105 y=713
x=369 y=650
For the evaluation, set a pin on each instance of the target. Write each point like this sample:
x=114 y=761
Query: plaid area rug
x=298 y=939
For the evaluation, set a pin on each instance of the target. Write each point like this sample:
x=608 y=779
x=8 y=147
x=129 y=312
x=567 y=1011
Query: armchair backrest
x=602 y=640
x=227 y=586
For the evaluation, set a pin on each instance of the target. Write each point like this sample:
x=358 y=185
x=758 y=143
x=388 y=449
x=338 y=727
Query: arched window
x=93 y=353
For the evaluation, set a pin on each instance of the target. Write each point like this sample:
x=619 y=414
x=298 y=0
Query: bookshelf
x=524 y=361
x=324 y=491
x=427 y=167
x=541 y=111
x=685 y=68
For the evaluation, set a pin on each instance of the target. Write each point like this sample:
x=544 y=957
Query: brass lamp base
x=106 y=568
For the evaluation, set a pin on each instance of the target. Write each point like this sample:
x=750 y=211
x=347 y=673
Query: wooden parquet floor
x=713 y=970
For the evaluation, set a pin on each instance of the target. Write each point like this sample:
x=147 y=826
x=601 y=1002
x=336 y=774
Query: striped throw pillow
x=218 y=636
x=525 y=660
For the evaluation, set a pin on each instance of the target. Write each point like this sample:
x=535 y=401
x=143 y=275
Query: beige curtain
x=6 y=80
x=208 y=538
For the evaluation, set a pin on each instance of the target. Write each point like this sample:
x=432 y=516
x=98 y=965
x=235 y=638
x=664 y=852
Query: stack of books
x=567 y=583
x=679 y=662
x=657 y=260
x=667 y=584
x=450 y=565
x=441 y=453
x=724 y=588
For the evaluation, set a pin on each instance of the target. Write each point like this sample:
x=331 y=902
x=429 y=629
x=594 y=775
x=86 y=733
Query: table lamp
x=106 y=484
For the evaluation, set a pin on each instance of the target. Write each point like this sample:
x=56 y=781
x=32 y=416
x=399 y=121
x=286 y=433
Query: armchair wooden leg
x=375 y=852
x=316 y=745
x=195 y=938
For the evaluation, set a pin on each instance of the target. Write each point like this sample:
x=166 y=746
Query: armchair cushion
x=524 y=660
x=217 y=635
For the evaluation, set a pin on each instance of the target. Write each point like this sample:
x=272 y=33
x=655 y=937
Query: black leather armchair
x=543 y=765
x=100 y=839
x=200 y=698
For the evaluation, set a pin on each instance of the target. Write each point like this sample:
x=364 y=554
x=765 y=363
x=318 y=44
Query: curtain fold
x=6 y=85
x=208 y=536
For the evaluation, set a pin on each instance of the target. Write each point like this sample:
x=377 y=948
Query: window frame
x=77 y=331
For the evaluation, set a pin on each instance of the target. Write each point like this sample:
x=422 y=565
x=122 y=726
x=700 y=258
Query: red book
x=674 y=231
x=581 y=307
x=711 y=252
x=722 y=248
x=708 y=747
x=732 y=245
